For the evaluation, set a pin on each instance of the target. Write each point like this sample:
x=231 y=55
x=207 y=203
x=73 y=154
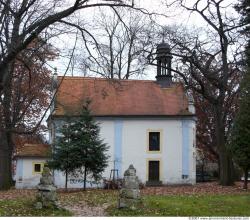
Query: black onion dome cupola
x=163 y=57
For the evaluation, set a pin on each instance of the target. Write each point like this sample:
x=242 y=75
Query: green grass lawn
x=24 y=207
x=154 y=205
x=215 y=205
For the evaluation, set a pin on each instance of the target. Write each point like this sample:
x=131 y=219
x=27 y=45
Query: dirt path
x=83 y=209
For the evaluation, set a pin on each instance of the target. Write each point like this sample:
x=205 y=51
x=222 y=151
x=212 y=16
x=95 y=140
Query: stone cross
x=129 y=195
x=46 y=196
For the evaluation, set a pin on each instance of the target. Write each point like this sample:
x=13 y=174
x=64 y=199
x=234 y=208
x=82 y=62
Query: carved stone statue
x=46 y=197
x=129 y=195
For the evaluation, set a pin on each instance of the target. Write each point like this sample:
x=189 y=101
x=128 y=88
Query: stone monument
x=46 y=197
x=129 y=195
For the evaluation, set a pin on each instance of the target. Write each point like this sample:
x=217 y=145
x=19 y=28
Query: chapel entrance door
x=153 y=171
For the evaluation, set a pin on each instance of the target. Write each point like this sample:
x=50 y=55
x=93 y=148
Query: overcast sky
x=172 y=15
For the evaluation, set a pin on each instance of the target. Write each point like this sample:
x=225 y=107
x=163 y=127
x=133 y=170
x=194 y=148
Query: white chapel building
x=150 y=124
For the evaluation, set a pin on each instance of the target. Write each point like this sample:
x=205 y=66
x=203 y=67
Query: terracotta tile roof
x=20 y=140
x=120 y=98
x=33 y=150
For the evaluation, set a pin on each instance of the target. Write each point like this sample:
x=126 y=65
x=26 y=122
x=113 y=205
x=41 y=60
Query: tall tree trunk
x=202 y=172
x=6 y=145
x=226 y=167
x=245 y=178
x=5 y=161
x=129 y=56
x=85 y=178
x=66 y=180
x=226 y=164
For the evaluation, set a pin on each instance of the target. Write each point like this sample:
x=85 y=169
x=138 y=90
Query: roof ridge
x=29 y=144
x=104 y=79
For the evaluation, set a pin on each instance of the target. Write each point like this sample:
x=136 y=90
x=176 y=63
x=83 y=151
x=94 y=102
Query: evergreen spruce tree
x=244 y=9
x=240 y=136
x=91 y=157
x=64 y=153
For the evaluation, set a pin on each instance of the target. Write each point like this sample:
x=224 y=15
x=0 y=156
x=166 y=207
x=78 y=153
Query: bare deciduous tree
x=123 y=37
x=208 y=64
x=21 y=22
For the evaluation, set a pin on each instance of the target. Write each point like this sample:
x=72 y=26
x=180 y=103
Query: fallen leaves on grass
x=92 y=202
x=210 y=188
x=25 y=207
x=16 y=194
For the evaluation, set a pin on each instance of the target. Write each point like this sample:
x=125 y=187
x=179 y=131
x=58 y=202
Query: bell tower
x=163 y=57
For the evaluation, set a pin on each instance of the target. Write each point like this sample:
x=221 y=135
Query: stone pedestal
x=129 y=195
x=46 y=196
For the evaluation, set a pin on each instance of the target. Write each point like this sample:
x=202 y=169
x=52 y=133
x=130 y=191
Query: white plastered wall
x=25 y=177
x=134 y=150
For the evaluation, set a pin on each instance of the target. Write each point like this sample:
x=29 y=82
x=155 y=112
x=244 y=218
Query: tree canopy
x=206 y=59
x=240 y=137
x=91 y=148
x=79 y=149
x=64 y=154
x=21 y=23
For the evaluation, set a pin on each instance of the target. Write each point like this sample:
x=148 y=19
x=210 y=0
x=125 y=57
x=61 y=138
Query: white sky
x=174 y=16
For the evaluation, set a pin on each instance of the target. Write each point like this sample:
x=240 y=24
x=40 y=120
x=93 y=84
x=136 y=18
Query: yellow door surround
x=160 y=167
